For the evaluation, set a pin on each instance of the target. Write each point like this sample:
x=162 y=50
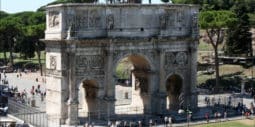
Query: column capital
x=72 y=102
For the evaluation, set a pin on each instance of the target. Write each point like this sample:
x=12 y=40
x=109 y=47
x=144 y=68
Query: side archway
x=88 y=94
x=174 y=85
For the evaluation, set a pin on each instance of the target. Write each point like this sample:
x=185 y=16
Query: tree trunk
x=5 y=58
x=11 y=55
x=217 y=78
x=39 y=61
x=250 y=48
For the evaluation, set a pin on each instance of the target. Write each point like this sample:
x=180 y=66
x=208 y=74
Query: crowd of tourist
x=22 y=95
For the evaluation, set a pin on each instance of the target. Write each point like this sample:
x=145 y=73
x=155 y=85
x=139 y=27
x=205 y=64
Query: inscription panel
x=83 y=19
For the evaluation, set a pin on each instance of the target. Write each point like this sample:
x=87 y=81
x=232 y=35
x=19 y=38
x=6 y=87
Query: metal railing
x=28 y=114
x=230 y=101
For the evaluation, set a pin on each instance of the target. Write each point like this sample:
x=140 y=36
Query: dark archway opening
x=174 y=90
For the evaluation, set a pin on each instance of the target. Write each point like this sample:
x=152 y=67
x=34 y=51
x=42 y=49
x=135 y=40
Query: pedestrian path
x=26 y=84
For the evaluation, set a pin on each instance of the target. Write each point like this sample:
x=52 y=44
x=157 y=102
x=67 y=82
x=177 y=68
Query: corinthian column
x=72 y=102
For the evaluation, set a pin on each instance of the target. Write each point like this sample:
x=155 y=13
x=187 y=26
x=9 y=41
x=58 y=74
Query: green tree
x=215 y=23
x=3 y=45
x=34 y=34
x=10 y=31
x=3 y=14
x=72 y=1
x=239 y=39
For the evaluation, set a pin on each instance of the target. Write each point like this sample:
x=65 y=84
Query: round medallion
x=181 y=58
x=169 y=58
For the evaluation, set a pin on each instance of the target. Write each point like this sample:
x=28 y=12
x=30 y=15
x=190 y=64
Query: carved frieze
x=89 y=73
x=89 y=62
x=90 y=65
x=54 y=19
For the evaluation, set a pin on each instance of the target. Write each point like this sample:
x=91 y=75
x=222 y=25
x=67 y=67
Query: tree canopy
x=216 y=19
x=20 y=32
x=72 y=1
x=215 y=24
x=239 y=37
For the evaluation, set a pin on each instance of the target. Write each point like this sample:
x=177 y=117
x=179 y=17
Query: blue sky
x=13 y=6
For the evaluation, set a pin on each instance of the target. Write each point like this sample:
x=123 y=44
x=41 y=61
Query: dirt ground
x=248 y=122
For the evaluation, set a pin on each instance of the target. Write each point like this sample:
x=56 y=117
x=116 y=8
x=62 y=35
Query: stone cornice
x=118 y=5
x=117 y=40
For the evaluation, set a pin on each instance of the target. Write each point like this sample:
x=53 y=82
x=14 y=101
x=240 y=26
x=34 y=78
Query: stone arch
x=88 y=97
x=141 y=76
x=174 y=90
x=120 y=56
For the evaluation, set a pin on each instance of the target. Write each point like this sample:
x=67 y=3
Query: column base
x=72 y=122
x=72 y=113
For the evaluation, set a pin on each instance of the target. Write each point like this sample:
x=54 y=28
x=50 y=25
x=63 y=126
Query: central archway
x=88 y=98
x=174 y=89
x=136 y=70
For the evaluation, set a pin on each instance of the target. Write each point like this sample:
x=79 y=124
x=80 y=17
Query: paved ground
x=25 y=82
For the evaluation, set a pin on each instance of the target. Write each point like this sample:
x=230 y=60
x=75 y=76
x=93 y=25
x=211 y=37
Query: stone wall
x=87 y=21
x=86 y=42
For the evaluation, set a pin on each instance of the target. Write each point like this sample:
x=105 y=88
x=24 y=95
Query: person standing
x=207 y=117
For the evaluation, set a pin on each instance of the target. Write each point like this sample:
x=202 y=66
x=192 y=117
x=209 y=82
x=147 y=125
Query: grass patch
x=225 y=124
x=203 y=46
x=252 y=19
x=203 y=78
x=231 y=77
x=18 y=58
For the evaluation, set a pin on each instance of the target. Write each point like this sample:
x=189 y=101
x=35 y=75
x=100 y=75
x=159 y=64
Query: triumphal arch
x=86 y=42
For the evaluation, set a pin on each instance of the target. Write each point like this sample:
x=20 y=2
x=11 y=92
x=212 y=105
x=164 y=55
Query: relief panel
x=94 y=19
x=54 y=19
x=90 y=65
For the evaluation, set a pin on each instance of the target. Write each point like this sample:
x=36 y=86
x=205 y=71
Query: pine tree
x=239 y=39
